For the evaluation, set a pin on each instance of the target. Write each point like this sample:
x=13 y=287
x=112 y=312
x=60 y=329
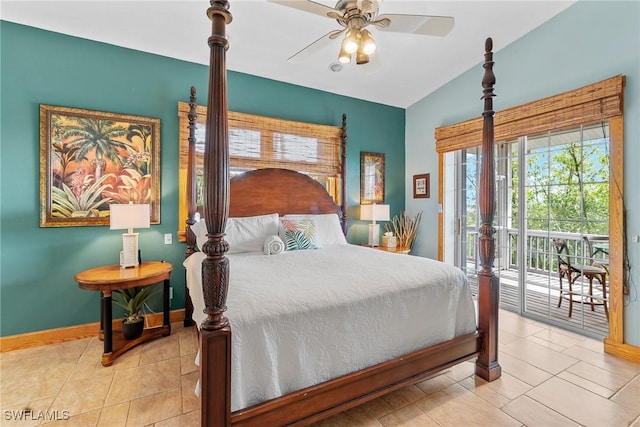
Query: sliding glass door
x=565 y=191
x=549 y=188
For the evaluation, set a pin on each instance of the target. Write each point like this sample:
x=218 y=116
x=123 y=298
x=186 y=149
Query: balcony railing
x=541 y=287
x=540 y=256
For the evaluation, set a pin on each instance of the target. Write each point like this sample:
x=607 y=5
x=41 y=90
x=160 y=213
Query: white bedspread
x=303 y=317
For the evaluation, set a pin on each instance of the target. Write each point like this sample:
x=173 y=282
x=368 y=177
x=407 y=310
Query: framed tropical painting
x=91 y=159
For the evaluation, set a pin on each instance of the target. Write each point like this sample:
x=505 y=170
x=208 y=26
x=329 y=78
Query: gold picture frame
x=90 y=159
x=371 y=178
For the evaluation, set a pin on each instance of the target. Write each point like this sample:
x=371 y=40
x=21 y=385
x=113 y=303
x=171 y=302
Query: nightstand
x=396 y=250
x=110 y=278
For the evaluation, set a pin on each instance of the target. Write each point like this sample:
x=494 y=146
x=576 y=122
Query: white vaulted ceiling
x=263 y=35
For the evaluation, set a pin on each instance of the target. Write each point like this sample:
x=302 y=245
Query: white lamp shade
x=374 y=212
x=127 y=216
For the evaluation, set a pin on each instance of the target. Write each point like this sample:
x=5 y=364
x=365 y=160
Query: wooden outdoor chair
x=572 y=272
x=598 y=247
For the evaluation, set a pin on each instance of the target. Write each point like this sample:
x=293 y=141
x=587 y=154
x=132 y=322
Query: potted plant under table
x=133 y=301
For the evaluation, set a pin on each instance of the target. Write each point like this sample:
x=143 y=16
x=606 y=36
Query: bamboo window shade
x=263 y=142
x=589 y=104
x=257 y=142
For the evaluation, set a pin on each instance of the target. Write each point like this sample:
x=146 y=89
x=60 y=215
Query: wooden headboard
x=282 y=191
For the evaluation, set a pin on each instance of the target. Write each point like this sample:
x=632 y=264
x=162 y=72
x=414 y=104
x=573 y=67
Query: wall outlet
x=635 y=238
x=168 y=239
x=170 y=292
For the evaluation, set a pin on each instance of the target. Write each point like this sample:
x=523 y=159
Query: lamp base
x=374 y=235
x=129 y=253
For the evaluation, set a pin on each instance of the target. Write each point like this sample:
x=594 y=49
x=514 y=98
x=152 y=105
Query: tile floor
x=551 y=377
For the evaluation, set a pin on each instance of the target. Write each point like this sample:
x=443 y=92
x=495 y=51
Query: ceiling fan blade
x=335 y=33
x=369 y=6
x=314 y=47
x=415 y=24
x=307 y=6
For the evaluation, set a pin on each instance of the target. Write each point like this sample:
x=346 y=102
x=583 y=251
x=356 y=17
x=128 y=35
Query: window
x=242 y=143
x=257 y=142
x=295 y=148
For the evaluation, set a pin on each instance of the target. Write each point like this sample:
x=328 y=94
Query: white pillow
x=246 y=234
x=200 y=230
x=328 y=228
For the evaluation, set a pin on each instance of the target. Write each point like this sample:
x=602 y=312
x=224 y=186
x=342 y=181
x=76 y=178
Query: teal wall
x=37 y=265
x=589 y=42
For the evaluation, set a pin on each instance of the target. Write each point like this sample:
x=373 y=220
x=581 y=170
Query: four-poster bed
x=248 y=196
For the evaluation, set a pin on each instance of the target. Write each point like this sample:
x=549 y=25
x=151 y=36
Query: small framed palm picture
x=421 y=186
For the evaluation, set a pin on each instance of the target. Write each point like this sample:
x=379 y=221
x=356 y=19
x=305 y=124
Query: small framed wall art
x=421 y=186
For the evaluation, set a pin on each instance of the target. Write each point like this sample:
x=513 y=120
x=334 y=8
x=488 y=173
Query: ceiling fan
x=354 y=16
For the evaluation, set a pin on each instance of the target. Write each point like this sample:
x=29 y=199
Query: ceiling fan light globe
x=351 y=40
x=344 y=57
x=362 y=58
x=351 y=47
x=367 y=42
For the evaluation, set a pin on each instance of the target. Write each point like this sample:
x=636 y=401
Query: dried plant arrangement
x=404 y=228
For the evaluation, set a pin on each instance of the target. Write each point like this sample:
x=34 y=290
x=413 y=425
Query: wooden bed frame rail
x=317 y=402
x=359 y=387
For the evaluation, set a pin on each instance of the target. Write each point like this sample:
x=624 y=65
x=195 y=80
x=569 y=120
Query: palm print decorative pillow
x=299 y=234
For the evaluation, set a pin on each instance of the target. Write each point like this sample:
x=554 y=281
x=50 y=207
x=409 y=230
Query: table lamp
x=129 y=216
x=374 y=213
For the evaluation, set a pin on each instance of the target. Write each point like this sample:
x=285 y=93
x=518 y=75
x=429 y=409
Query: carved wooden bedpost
x=215 y=338
x=191 y=175
x=343 y=172
x=487 y=366
x=191 y=198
